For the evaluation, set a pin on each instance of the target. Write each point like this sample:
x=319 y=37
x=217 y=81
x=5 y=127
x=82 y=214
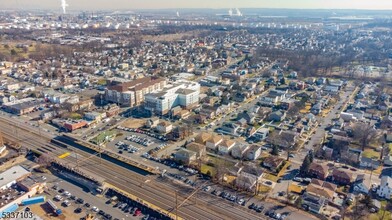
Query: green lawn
x=390 y=146
x=371 y=153
x=270 y=177
x=381 y=214
x=101 y=138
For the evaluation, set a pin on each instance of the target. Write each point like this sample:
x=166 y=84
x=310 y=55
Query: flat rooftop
x=13 y=174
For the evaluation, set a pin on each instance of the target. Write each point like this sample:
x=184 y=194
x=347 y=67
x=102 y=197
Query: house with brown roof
x=317 y=194
x=272 y=162
x=213 y=142
x=185 y=156
x=320 y=191
x=164 y=127
x=202 y=138
x=248 y=176
x=319 y=171
x=343 y=177
x=199 y=149
x=324 y=184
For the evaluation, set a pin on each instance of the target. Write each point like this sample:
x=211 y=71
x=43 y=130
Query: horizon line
x=191 y=8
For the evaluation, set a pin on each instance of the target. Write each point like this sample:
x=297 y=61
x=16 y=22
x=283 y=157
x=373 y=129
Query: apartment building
x=132 y=93
x=181 y=93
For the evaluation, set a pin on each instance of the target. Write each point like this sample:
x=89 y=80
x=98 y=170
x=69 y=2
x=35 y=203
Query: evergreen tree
x=283 y=81
x=275 y=150
x=305 y=165
x=311 y=156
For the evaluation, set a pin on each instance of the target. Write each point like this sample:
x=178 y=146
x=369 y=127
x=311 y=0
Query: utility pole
x=176 y=204
x=39 y=129
x=1 y=140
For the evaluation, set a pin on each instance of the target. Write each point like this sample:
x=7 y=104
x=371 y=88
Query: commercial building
x=22 y=106
x=11 y=176
x=132 y=93
x=181 y=93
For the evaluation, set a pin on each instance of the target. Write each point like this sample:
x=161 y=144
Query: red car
x=137 y=212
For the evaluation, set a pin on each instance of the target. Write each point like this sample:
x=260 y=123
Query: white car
x=66 y=193
x=95 y=209
x=66 y=203
x=207 y=188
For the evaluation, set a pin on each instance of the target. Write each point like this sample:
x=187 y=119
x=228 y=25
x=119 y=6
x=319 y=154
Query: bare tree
x=364 y=133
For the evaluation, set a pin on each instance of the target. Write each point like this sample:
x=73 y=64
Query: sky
x=160 y=4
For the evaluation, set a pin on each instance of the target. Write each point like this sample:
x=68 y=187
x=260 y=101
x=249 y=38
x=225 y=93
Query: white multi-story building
x=181 y=93
x=385 y=189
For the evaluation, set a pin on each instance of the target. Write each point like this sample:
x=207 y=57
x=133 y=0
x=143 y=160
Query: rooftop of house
x=319 y=167
x=320 y=191
x=273 y=161
x=342 y=173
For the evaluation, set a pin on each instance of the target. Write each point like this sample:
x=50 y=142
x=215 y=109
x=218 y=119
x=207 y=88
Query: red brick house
x=318 y=170
x=342 y=176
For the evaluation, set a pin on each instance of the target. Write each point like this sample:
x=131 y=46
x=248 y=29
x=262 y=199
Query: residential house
x=260 y=134
x=343 y=177
x=248 y=176
x=229 y=128
x=316 y=195
x=164 y=127
x=238 y=151
x=248 y=116
x=112 y=110
x=94 y=116
x=225 y=146
x=185 y=156
x=351 y=156
x=253 y=152
x=388 y=160
x=319 y=171
x=272 y=163
x=361 y=184
x=385 y=188
x=370 y=163
x=283 y=138
x=199 y=149
x=213 y=142
x=202 y=138
x=152 y=122
x=277 y=116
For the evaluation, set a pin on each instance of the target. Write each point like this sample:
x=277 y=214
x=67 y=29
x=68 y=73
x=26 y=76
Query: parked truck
x=54 y=208
x=33 y=200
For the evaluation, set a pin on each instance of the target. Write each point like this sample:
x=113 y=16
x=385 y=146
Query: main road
x=144 y=187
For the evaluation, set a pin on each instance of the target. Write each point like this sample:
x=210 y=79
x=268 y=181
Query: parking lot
x=134 y=144
x=76 y=200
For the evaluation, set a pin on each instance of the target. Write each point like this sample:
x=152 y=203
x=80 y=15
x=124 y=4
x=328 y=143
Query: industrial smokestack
x=64 y=6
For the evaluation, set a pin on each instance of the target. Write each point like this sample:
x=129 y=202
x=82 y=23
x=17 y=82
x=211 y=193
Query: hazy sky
x=153 y=4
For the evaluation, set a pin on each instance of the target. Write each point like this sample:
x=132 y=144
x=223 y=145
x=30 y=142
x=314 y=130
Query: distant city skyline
x=175 y=4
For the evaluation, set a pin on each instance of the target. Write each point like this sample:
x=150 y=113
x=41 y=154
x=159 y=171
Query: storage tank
x=33 y=200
